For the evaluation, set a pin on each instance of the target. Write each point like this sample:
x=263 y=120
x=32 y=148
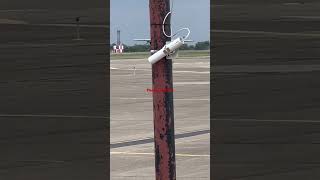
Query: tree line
x=204 y=45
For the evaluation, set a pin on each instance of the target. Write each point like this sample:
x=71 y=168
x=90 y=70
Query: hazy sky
x=132 y=18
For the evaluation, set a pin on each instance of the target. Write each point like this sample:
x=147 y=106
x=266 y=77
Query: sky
x=132 y=18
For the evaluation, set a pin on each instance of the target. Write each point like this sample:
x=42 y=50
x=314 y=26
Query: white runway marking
x=147 y=140
x=175 y=99
x=266 y=33
x=174 y=71
x=203 y=66
x=143 y=154
x=51 y=116
x=182 y=141
x=270 y=120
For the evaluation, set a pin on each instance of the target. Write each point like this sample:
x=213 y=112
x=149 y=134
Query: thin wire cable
x=172 y=35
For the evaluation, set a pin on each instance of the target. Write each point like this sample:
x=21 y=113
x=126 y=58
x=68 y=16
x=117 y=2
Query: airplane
x=171 y=56
x=149 y=40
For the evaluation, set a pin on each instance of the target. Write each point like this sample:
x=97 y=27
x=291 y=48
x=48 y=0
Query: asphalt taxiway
x=131 y=129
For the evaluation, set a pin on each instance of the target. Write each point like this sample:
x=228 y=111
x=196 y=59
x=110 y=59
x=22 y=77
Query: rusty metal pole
x=163 y=116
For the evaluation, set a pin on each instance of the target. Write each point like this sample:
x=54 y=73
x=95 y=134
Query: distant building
x=118 y=48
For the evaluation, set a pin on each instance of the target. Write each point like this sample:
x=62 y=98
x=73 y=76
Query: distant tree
x=205 y=45
x=146 y=47
x=185 y=47
x=125 y=47
x=137 y=48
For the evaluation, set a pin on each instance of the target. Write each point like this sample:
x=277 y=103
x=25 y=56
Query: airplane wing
x=148 y=40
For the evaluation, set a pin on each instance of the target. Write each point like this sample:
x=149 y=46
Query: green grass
x=145 y=55
x=193 y=53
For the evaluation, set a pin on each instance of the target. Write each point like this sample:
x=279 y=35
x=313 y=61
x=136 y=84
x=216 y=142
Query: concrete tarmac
x=266 y=110
x=131 y=130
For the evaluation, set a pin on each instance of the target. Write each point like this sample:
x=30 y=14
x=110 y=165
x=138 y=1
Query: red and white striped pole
x=164 y=140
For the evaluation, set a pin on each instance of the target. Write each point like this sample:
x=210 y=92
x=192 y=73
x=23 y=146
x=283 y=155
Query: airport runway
x=266 y=108
x=131 y=130
x=54 y=107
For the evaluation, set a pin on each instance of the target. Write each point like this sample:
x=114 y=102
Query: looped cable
x=171 y=35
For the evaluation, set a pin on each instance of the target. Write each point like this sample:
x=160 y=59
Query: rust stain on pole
x=162 y=101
